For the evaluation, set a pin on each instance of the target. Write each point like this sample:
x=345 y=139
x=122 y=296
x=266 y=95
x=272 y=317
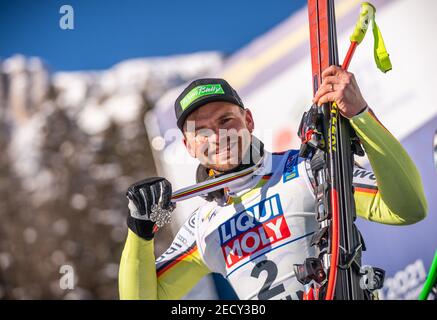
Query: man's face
x=218 y=134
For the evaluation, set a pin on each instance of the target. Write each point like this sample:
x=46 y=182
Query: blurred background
x=86 y=109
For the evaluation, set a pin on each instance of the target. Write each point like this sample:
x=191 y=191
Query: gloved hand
x=150 y=206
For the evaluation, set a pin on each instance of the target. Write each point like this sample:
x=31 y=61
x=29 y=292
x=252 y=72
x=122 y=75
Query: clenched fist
x=149 y=205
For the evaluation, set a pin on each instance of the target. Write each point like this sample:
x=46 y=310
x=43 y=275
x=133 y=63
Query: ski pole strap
x=381 y=55
x=382 y=58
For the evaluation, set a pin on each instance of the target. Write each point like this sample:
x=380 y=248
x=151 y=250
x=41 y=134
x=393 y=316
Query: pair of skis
x=330 y=143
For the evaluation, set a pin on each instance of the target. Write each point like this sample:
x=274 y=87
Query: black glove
x=150 y=206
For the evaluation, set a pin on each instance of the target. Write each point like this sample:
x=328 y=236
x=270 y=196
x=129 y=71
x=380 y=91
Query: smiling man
x=217 y=128
x=218 y=134
x=254 y=229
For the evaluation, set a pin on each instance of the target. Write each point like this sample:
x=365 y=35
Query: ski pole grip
x=367 y=15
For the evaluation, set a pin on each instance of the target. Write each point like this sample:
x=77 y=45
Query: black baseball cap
x=203 y=91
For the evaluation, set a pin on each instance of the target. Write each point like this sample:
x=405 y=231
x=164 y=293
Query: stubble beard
x=228 y=159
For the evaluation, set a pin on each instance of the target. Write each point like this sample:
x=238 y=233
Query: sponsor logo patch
x=290 y=170
x=200 y=91
x=252 y=230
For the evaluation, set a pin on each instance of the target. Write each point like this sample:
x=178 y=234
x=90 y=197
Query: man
x=253 y=230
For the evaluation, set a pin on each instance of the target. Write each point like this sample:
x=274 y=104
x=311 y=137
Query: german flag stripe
x=166 y=266
x=365 y=188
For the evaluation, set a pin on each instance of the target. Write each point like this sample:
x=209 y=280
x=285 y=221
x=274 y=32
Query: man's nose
x=214 y=138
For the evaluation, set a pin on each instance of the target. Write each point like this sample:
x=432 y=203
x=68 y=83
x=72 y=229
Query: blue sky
x=107 y=32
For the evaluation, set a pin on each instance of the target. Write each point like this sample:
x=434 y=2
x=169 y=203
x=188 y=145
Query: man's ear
x=249 y=120
x=188 y=146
